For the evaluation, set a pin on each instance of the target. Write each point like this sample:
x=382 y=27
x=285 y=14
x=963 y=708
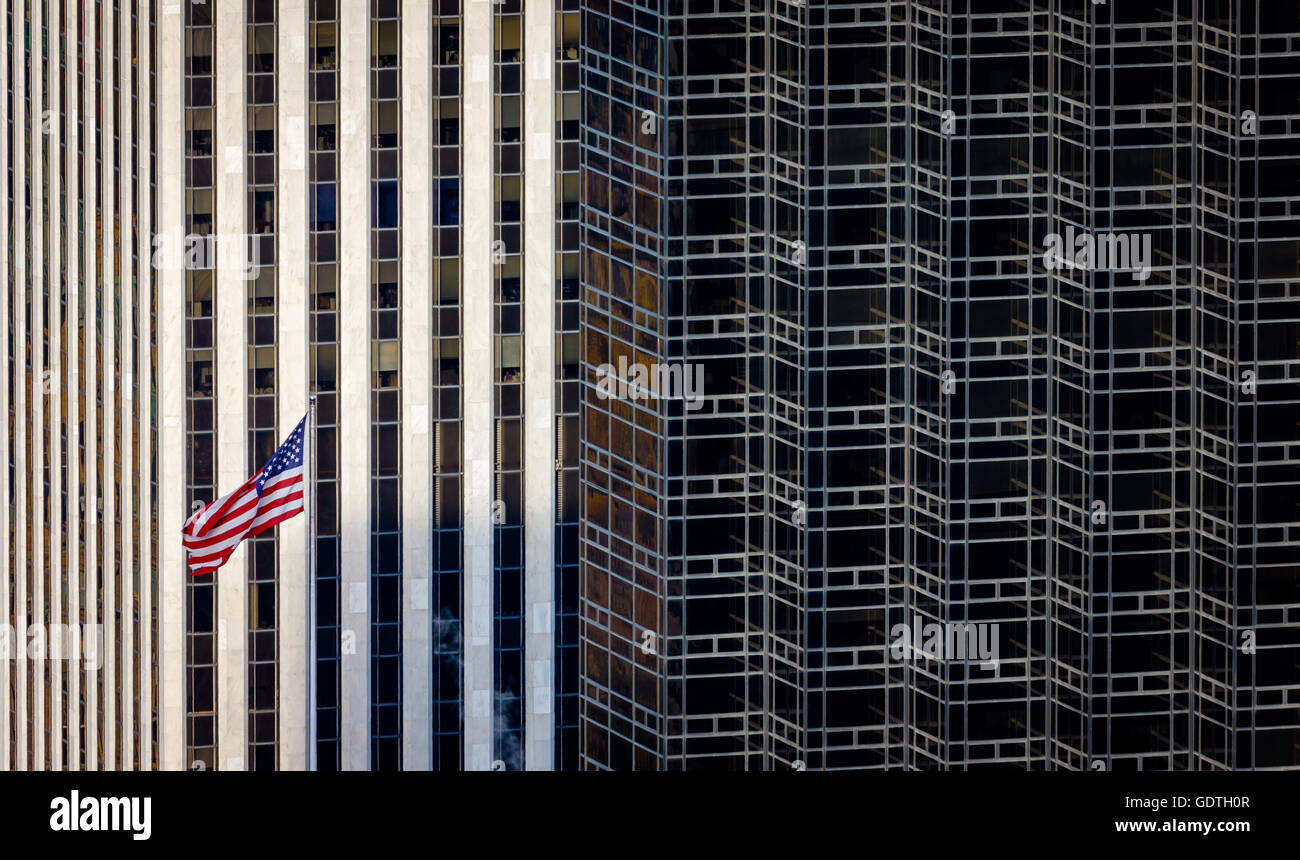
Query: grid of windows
x=860 y=334
x=448 y=425
x=383 y=252
x=200 y=436
x=324 y=335
x=859 y=198
x=977 y=506
x=568 y=119
x=385 y=363
x=625 y=284
x=507 y=257
x=1245 y=326
x=260 y=95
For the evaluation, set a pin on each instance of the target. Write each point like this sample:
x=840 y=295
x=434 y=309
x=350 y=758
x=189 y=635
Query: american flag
x=271 y=496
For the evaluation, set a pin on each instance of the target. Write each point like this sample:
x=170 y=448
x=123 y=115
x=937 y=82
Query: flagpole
x=311 y=581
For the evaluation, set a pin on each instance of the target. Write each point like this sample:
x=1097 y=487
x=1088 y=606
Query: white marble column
x=354 y=383
x=72 y=412
x=417 y=172
x=91 y=297
x=231 y=303
x=478 y=373
x=172 y=574
x=539 y=383
x=292 y=373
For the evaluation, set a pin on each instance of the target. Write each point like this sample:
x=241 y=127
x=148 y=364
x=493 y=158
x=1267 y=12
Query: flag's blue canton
x=287 y=456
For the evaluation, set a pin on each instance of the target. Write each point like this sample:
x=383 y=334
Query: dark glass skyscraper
x=994 y=462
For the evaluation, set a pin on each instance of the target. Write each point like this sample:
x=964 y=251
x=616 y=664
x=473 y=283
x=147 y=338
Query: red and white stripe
x=215 y=531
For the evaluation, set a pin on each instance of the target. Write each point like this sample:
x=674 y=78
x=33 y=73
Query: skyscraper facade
x=994 y=305
x=378 y=186
x=78 y=601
